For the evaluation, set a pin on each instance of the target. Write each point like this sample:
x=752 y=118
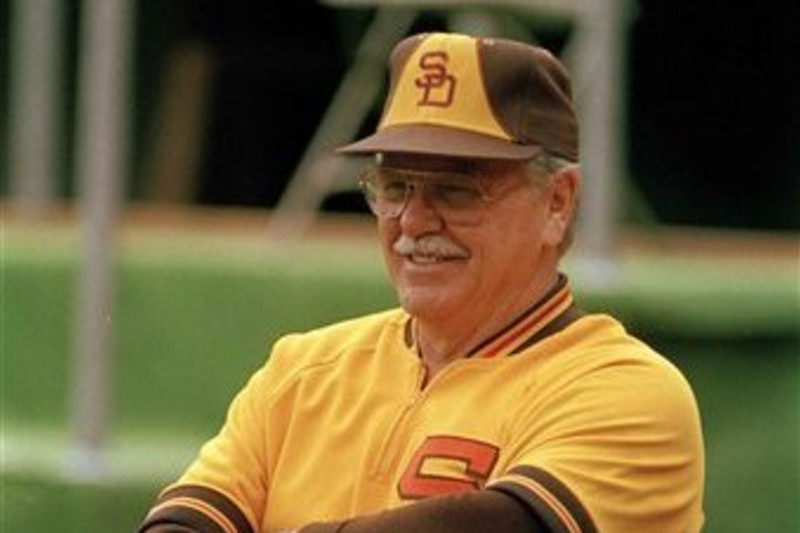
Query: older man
x=488 y=402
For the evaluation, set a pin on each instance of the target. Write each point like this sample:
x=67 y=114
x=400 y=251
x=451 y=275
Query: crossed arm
x=485 y=511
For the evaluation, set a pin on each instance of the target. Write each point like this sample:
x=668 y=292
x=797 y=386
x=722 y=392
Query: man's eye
x=456 y=195
x=393 y=189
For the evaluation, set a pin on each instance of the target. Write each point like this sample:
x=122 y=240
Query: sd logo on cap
x=461 y=96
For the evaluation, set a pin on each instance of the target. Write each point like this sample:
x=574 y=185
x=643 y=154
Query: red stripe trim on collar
x=527 y=325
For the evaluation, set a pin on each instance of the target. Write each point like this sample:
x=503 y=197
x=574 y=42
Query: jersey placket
x=390 y=450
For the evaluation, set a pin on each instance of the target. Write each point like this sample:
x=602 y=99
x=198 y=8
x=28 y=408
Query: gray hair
x=542 y=169
x=547 y=164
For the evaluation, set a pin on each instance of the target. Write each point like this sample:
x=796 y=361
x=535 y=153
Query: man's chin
x=426 y=304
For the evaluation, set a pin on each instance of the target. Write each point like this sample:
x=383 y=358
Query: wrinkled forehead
x=485 y=168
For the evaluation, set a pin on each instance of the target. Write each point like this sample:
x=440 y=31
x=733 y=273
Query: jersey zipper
x=390 y=451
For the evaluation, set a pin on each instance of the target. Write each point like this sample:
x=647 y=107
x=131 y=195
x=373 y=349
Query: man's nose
x=419 y=214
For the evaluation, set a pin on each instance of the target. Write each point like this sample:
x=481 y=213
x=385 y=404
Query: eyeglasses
x=458 y=197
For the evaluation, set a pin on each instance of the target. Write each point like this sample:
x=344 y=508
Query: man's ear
x=563 y=206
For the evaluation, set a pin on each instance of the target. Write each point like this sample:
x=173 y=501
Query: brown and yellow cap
x=462 y=96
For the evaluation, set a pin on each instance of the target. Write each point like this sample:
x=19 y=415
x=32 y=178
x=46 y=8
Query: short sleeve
x=225 y=488
x=614 y=445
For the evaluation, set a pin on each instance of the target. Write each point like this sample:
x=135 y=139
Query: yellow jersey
x=575 y=418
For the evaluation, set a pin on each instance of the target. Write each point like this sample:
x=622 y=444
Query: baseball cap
x=477 y=97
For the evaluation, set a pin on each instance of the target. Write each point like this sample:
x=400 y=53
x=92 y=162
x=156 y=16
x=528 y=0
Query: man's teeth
x=426 y=259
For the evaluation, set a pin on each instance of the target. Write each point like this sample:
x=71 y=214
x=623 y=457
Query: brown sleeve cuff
x=546 y=497
x=195 y=509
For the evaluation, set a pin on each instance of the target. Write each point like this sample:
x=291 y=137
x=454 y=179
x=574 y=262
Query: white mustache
x=432 y=245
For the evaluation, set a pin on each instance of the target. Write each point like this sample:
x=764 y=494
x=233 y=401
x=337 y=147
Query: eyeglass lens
x=457 y=197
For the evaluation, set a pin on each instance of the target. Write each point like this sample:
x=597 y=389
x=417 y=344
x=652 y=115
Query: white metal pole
x=34 y=103
x=600 y=71
x=101 y=153
x=319 y=169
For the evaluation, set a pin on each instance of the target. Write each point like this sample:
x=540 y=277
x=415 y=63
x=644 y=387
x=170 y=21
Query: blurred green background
x=224 y=99
x=197 y=310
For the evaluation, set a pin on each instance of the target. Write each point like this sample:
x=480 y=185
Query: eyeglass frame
x=425 y=179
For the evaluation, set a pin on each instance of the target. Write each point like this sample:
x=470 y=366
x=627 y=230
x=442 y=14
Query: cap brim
x=439 y=140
